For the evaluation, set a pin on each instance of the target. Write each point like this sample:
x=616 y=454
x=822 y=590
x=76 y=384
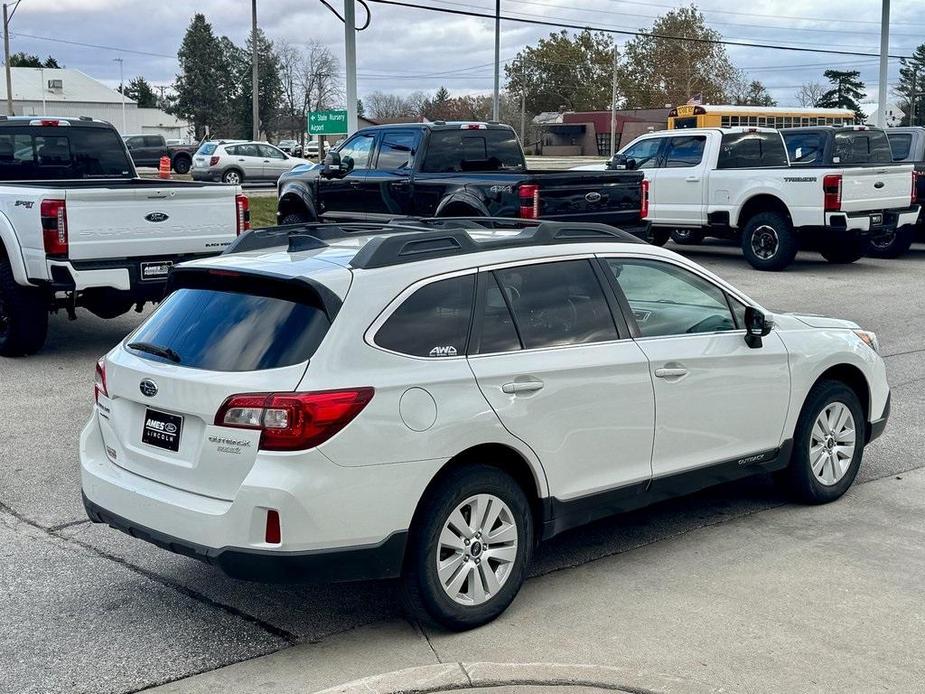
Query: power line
x=624 y=32
x=92 y=45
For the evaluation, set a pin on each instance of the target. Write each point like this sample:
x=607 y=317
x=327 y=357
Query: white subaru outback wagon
x=429 y=399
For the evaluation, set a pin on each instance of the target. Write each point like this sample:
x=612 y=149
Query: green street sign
x=327 y=123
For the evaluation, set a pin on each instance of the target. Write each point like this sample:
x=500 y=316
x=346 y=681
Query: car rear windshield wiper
x=156 y=350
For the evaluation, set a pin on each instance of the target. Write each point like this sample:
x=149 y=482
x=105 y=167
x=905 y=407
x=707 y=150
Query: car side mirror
x=756 y=327
x=332 y=165
x=621 y=162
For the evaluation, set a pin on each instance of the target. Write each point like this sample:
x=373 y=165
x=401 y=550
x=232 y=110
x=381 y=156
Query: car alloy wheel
x=477 y=549
x=832 y=443
x=232 y=177
x=765 y=242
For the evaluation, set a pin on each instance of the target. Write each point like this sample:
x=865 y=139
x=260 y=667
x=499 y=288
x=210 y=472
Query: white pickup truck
x=738 y=183
x=79 y=228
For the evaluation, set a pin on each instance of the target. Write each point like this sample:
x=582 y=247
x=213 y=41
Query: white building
x=894 y=114
x=66 y=92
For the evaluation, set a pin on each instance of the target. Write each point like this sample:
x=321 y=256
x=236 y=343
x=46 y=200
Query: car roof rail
x=306 y=236
x=444 y=237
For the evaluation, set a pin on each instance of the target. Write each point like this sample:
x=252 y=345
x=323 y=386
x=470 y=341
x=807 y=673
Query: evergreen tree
x=361 y=112
x=436 y=108
x=203 y=71
x=752 y=93
x=847 y=92
x=270 y=85
x=22 y=59
x=911 y=87
x=141 y=92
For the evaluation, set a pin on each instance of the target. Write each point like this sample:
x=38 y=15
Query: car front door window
x=356 y=152
x=645 y=153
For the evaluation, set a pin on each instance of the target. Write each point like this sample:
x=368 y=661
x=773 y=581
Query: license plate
x=155 y=271
x=162 y=430
x=876 y=220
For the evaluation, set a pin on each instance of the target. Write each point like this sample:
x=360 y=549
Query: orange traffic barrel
x=164 y=170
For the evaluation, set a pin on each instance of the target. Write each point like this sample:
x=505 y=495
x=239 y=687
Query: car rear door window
x=556 y=304
x=397 y=150
x=668 y=300
x=750 y=150
x=683 y=152
x=433 y=321
x=268 y=152
x=491 y=149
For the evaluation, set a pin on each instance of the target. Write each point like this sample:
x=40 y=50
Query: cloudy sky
x=408 y=49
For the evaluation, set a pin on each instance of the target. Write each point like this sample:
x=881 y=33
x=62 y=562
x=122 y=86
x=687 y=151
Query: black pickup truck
x=452 y=170
x=147 y=150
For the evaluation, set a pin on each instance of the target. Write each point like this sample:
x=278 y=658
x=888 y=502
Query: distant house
x=589 y=133
x=67 y=92
x=894 y=114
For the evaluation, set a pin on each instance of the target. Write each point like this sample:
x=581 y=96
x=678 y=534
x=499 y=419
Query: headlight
x=869 y=338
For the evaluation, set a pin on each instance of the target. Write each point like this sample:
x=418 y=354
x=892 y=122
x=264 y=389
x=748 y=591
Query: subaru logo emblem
x=593 y=196
x=157 y=217
x=148 y=388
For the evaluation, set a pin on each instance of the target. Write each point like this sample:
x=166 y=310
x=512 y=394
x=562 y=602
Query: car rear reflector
x=293 y=421
x=242 y=208
x=54 y=227
x=529 y=194
x=273 y=534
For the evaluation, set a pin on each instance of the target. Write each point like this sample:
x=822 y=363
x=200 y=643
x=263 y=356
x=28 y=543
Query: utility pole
x=496 y=100
x=121 y=91
x=42 y=86
x=350 y=63
x=613 y=103
x=255 y=76
x=912 y=97
x=7 y=16
x=884 y=53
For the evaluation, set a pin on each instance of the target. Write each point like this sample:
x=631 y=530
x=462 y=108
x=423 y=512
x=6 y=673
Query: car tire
x=479 y=585
x=892 y=246
x=23 y=315
x=658 y=237
x=182 y=165
x=822 y=467
x=842 y=251
x=233 y=176
x=768 y=241
x=687 y=237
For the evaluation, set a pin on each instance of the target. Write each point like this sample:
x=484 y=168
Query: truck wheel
x=658 y=237
x=687 y=237
x=23 y=315
x=891 y=246
x=827 y=444
x=768 y=241
x=232 y=176
x=469 y=548
x=841 y=251
x=182 y=164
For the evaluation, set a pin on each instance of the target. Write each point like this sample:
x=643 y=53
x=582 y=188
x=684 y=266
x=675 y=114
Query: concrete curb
x=457 y=676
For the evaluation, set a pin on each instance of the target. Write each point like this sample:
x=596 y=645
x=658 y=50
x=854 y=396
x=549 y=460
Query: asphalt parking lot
x=86 y=609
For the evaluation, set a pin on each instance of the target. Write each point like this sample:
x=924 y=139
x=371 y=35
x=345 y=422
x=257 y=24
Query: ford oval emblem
x=593 y=196
x=157 y=217
x=878 y=184
x=148 y=388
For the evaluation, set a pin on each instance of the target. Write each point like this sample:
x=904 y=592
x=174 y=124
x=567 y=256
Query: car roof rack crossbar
x=449 y=237
x=303 y=237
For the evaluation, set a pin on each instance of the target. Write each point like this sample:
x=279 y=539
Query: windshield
x=37 y=153
x=221 y=330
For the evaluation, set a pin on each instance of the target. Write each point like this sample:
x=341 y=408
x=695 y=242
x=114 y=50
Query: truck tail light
x=99 y=386
x=644 y=202
x=293 y=421
x=242 y=208
x=54 y=227
x=214 y=161
x=916 y=175
x=831 y=189
x=529 y=195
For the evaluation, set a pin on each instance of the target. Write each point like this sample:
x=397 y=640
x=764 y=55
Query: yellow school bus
x=720 y=116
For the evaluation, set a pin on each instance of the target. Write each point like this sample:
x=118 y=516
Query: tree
x=22 y=59
x=141 y=92
x=657 y=71
x=574 y=71
x=809 y=94
x=361 y=110
x=270 y=85
x=310 y=81
x=201 y=87
x=752 y=93
x=911 y=86
x=383 y=106
x=847 y=92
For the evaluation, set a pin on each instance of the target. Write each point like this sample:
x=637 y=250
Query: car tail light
x=644 y=202
x=831 y=188
x=54 y=227
x=293 y=421
x=273 y=534
x=916 y=175
x=99 y=387
x=242 y=208
x=214 y=161
x=48 y=122
x=529 y=194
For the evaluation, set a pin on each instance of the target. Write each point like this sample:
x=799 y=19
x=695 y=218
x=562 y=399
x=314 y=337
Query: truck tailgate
x=615 y=196
x=126 y=222
x=876 y=188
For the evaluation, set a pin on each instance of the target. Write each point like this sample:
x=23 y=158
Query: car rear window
x=37 y=153
x=207 y=149
x=858 y=147
x=223 y=330
x=492 y=149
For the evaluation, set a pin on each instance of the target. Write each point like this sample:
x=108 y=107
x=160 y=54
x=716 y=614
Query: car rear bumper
x=863 y=224
x=206 y=175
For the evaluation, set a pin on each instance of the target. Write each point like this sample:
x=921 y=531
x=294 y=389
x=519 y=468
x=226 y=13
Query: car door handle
x=692 y=179
x=522 y=387
x=671 y=372
x=400 y=184
x=354 y=183
x=240 y=158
